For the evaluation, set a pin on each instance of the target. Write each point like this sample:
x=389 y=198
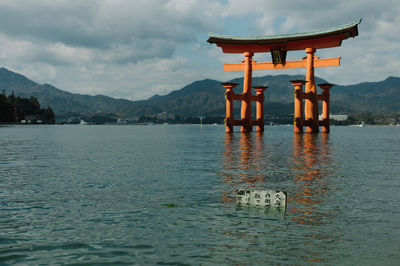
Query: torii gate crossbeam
x=288 y=64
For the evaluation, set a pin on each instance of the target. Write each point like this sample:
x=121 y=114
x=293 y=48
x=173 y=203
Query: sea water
x=165 y=194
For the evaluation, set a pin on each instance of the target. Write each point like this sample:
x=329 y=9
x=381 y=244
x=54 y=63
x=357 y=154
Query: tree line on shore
x=14 y=109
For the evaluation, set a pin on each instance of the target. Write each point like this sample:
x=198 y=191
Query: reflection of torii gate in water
x=278 y=45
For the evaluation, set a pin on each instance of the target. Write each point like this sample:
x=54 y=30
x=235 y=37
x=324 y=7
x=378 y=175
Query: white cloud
x=134 y=49
x=371 y=56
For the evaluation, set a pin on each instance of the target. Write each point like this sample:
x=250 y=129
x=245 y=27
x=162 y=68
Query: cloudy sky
x=134 y=49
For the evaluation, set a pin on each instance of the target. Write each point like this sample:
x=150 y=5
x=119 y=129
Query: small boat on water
x=83 y=122
x=362 y=124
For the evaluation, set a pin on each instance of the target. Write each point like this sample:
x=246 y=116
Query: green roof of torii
x=350 y=29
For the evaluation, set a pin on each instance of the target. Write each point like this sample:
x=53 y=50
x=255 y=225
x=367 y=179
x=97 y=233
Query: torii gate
x=278 y=45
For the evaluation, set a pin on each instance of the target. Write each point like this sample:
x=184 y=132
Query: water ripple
x=166 y=195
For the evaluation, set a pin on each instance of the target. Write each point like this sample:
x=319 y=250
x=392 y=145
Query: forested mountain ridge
x=206 y=97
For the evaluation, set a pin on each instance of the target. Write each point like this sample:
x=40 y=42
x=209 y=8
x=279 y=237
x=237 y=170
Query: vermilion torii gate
x=278 y=45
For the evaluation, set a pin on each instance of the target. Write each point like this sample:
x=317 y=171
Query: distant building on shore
x=33 y=119
x=336 y=117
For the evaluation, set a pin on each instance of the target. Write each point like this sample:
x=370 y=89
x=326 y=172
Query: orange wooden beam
x=306 y=95
x=236 y=97
x=237 y=122
x=255 y=98
x=320 y=97
x=289 y=64
x=318 y=43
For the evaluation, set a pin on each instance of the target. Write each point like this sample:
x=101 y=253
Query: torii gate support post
x=311 y=103
x=325 y=123
x=260 y=98
x=298 y=105
x=229 y=106
x=246 y=101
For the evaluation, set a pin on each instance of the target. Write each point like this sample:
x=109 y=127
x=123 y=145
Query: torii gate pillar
x=246 y=101
x=260 y=98
x=311 y=104
x=325 y=123
x=298 y=105
x=229 y=96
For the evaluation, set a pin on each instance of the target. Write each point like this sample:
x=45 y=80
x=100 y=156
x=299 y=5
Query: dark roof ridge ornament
x=278 y=56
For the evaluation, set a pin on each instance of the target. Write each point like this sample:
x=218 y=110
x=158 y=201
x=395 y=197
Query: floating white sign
x=269 y=198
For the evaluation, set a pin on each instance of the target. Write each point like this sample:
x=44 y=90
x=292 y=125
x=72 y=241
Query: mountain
x=373 y=97
x=60 y=101
x=206 y=97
